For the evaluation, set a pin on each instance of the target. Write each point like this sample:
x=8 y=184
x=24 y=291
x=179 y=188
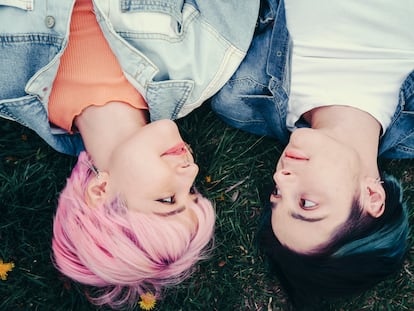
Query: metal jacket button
x=50 y=21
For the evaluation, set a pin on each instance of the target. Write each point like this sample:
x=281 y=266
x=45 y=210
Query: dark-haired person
x=333 y=81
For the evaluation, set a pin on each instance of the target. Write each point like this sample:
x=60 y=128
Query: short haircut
x=362 y=252
x=124 y=253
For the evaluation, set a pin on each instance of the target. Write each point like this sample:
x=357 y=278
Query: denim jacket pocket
x=21 y=57
x=21 y=4
x=139 y=14
x=165 y=99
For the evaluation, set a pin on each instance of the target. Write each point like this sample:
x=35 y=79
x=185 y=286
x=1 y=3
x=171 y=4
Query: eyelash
x=303 y=203
x=171 y=199
x=276 y=192
x=193 y=190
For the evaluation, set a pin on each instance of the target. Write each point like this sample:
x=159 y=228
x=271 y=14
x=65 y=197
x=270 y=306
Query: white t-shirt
x=350 y=52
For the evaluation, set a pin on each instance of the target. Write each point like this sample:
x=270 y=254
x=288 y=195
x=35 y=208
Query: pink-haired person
x=103 y=80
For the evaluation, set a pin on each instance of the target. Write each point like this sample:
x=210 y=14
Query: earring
x=93 y=168
x=378 y=180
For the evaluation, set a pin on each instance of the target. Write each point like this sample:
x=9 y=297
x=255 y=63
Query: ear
x=97 y=189
x=374 y=202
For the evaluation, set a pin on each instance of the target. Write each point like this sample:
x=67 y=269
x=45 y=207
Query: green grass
x=240 y=167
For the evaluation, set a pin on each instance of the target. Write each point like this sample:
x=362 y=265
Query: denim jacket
x=256 y=98
x=195 y=48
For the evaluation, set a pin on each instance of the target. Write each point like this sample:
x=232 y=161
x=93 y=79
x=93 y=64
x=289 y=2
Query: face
x=153 y=171
x=316 y=180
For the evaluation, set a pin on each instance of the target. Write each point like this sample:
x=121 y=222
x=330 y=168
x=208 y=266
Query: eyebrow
x=171 y=213
x=299 y=216
x=308 y=219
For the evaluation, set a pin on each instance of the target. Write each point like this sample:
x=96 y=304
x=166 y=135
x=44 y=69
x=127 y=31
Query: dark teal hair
x=362 y=252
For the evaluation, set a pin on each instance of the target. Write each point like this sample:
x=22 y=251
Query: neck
x=103 y=128
x=353 y=127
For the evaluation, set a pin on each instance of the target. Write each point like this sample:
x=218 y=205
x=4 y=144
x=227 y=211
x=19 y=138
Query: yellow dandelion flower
x=208 y=179
x=4 y=268
x=147 y=301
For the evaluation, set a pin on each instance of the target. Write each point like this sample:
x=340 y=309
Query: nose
x=187 y=169
x=185 y=177
x=285 y=172
x=281 y=175
x=185 y=164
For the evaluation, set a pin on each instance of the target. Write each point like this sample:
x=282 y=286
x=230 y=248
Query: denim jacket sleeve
x=255 y=98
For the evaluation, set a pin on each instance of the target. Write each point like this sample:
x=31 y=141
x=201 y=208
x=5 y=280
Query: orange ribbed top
x=89 y=73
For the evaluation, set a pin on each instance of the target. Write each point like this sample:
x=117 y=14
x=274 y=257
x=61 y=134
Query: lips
x=178 y=149
x=296 y=154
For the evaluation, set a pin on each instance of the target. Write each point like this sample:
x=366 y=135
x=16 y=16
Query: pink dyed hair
x=124 y=253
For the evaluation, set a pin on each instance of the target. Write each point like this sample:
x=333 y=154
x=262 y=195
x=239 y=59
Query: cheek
x=278 y=220
x=288 y=233
x=331 y=169
x=141 y=178
x=191 y=220
x=142 y=165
